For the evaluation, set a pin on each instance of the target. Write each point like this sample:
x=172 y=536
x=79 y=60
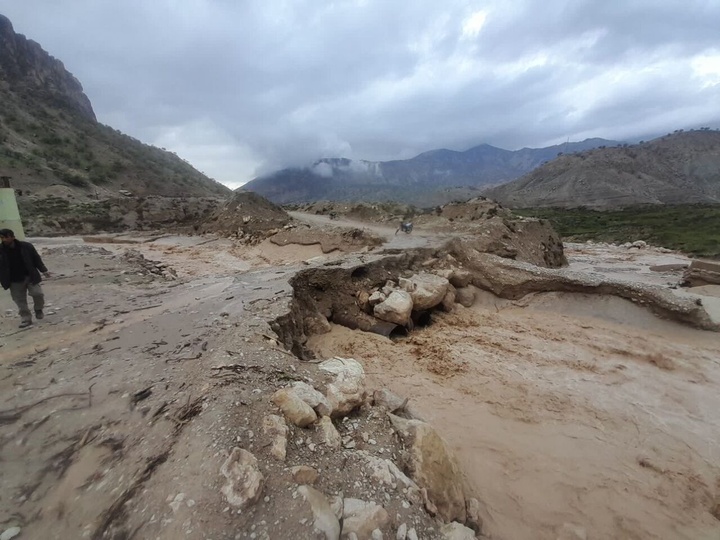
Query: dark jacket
x=31 y=258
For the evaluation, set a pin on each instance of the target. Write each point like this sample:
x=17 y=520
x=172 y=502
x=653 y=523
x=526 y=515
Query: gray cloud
x=239 y=88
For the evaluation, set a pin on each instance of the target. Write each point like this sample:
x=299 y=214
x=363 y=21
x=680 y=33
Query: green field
x=693 y=229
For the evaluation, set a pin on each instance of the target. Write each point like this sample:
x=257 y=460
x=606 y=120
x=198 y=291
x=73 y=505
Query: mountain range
x=430 y=178
x=679 y=168
x=49 y=135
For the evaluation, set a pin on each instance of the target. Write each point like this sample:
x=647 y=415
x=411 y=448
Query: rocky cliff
x=49 y=136
x=26 y=68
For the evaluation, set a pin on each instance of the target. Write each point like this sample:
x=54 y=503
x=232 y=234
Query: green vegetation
x=693 y=229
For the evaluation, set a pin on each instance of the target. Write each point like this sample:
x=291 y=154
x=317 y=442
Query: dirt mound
x=246 y=215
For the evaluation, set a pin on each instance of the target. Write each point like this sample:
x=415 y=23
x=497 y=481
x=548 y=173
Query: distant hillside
x=679 y=168
x=430 y=178
x=49 y=135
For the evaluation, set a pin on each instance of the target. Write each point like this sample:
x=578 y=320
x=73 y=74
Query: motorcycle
x=405 y=227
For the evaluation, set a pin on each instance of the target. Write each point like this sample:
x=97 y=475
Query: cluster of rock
x=637 y=244
x=426 y=476
x=400 y=302
x=146 y=266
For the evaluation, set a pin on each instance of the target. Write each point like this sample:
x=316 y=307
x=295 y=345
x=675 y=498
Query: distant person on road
x=20 y=269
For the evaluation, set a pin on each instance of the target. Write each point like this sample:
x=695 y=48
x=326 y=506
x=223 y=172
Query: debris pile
x=401 y=480
x=148 y=267
x=248 y=217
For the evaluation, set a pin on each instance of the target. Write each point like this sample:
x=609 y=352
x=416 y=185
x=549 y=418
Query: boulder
x=362 y=518
x=302 y=474
x=312 y=397
x=428 y=290
x=329 y=435
x=460 y=278
x=325 y=523
x=456 y=531
x=275 y=428
x=244 y=480
x=448 y=302
x=295 y=409
x=396 y=308
x=432 y=465
x=392 y=402
x=377 y=469
x=347 y=391
x=474 y=517
x=465 y=296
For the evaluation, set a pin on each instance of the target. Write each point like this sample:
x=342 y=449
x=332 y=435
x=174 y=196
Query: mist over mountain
x=429 y=178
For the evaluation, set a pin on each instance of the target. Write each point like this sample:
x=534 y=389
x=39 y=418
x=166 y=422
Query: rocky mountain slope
x=431 y=178
x=49 y=135
x=679 y=168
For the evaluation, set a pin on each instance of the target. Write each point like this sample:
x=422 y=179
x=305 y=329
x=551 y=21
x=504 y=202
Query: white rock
x=377 y=468
x=244 y=480
x=312 y=397
x=10 y=533
x=401 y=532
x=412 y=534
x=295 y=409
x=377 y=535
x=329 y=435
x=433 y=466
x=376 y=297
x=347 y=391
x=396 y=308
x=275 y=428
x=474 y=515
x=337 y=503
x=324 y=520
x=339 y=365
x=385 y=398
x=429 y=291
x=362 y=518
x=456 y=531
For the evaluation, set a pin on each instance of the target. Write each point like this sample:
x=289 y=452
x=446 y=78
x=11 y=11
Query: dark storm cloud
x=241 y=87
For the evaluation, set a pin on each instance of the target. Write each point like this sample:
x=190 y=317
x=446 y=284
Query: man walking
x=20 y=268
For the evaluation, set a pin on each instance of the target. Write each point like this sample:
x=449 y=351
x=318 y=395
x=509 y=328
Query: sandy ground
x=562 y=408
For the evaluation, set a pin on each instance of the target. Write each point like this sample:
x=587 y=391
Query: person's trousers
x=19 y=292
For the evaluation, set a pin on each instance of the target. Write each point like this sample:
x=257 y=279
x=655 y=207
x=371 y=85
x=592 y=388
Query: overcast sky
x=245 y=87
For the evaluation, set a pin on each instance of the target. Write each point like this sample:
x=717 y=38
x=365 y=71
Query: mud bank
x=334 y=294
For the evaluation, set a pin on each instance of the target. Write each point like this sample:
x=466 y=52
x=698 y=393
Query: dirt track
x=563 y=408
